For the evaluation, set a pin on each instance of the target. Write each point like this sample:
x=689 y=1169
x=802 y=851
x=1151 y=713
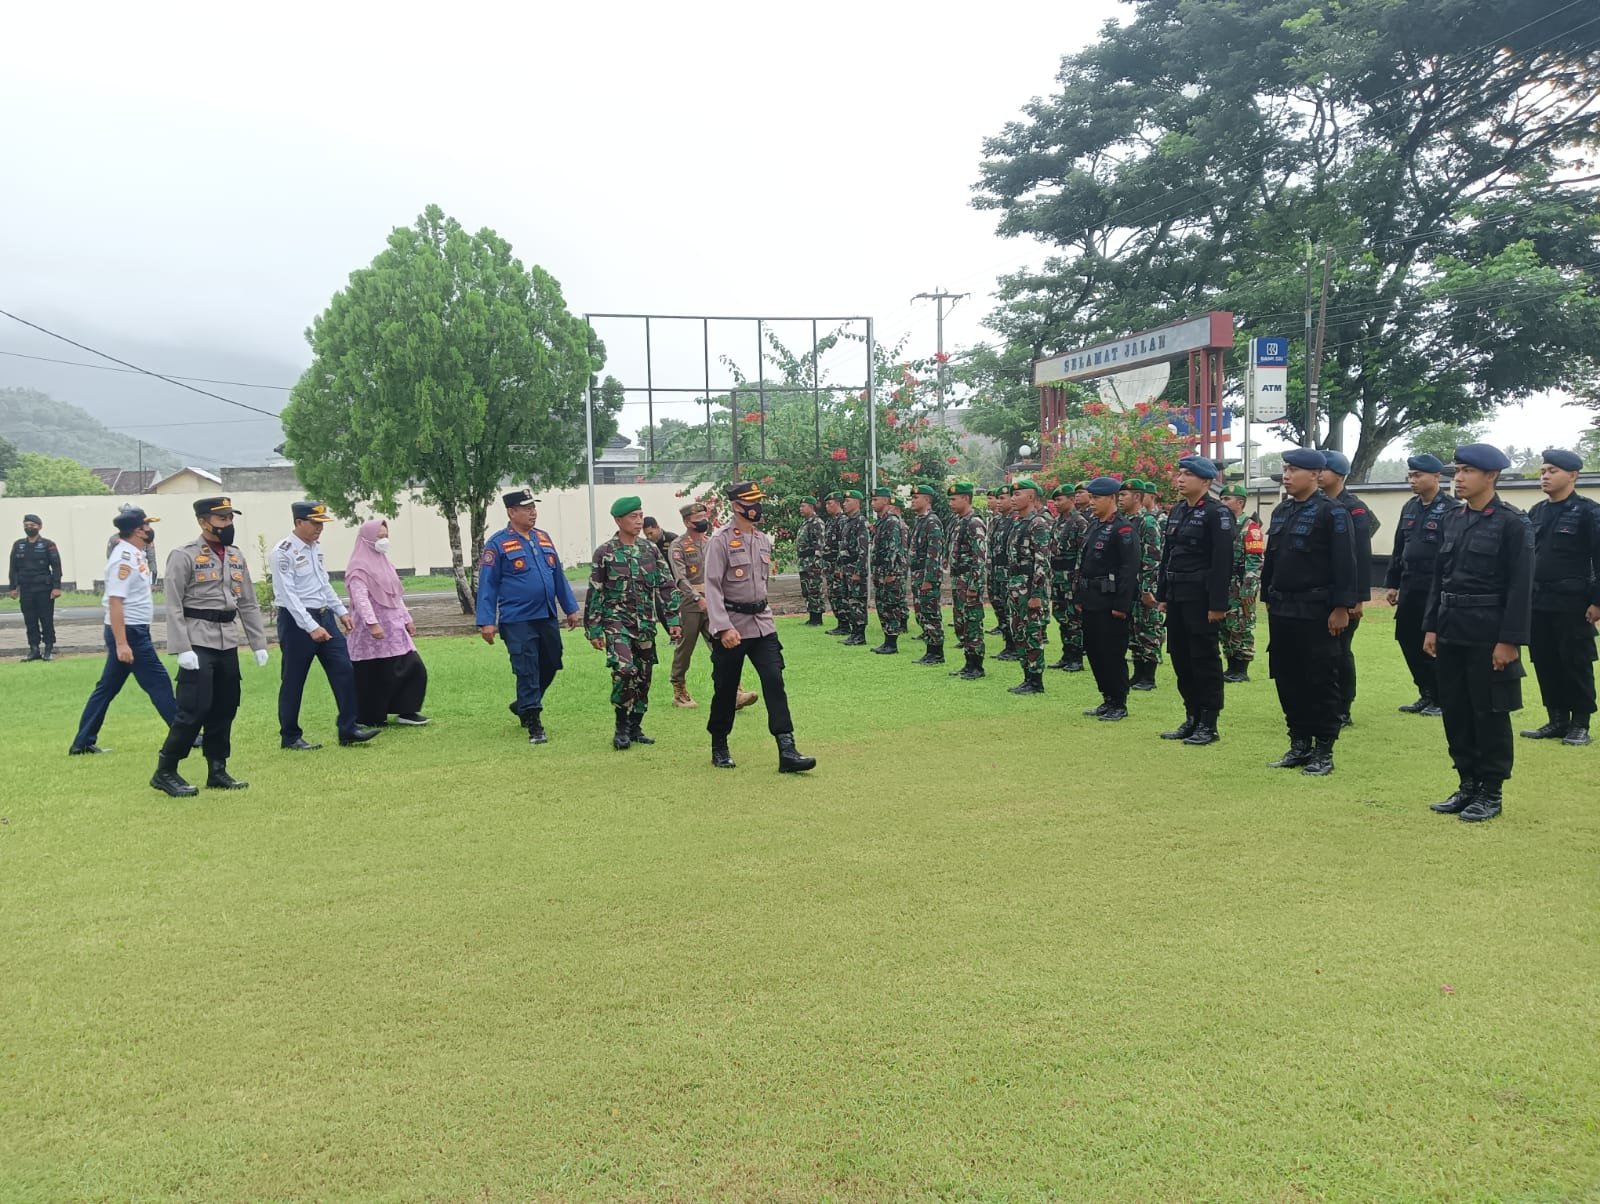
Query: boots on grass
x=856 y=637
x=1321 y=763
x=1578 y=734
x=1485 y=804
x=621 y=738
x=1459 y=801
x=1205 y=730
x=219 y=778
x=680 y=695
x=933 y=656
x=789 y=758
x=720 y=757
x=1184 y=730
x=1144 y=676
x=1238 y=670
x=1299 y=753
x=1032 y=683
x=890 y=645
x=973 y=669
x=1555 y=729
x=49 y=653
x=635 y=732
x=814 y=619
x=536 y=732
x=167 y=781
x=33 y=653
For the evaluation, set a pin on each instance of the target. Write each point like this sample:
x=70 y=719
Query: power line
x=205 y=380
x=171 y=380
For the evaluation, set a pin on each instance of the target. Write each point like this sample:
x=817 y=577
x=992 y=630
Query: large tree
x=38 y=475
x=447 y=369
x=1437 y=149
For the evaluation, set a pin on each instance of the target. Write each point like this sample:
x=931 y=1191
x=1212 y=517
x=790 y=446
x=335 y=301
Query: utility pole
x=939 y=297
x=1314 y=363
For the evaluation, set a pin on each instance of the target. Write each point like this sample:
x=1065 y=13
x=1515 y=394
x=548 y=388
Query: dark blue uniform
x=1416 y=547
x=1108 y=580
x=35 y=574
x=521 y=585
x=1196 y=567
x=1363 y=525
x=1566 y=582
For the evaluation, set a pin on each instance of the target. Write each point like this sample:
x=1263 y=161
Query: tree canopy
x=37 y=475
x=1437 y=151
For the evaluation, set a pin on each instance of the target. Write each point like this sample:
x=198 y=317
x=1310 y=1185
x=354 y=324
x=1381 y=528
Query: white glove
x=261 y=658
x=188 y=660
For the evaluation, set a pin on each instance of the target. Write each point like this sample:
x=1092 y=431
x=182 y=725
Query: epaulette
x=285 y=546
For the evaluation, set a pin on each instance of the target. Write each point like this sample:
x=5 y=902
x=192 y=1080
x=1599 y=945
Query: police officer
x=129 y=611
x=520 y=584
x=1416 y=547
x=1480 y=605
x=1309 y=581
x=1108 y=581
x=1192 y=590
x=36 y=583
x=1363 y=526
x=738 y=566
x=1566 y=599
x=312 y=624
x=211 y=610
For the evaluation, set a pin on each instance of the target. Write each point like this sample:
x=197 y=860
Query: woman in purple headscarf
x=390 y=677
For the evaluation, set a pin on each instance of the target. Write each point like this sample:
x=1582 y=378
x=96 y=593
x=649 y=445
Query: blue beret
x=1563 y=459
x=1199 y=466
x=1305 y=457
x=1337 y=462
x=1425 y=463
x=1103 y=486
x=1483 y=456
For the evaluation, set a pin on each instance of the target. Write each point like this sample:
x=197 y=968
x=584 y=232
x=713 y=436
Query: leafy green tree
x=1191 y=155
x=446 y=368
x=36 y=475
x=8 y=457
x=1442 y=438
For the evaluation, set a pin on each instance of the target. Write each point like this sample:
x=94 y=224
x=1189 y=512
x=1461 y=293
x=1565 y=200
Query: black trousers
x=1303 y=660
x=1347 y=664
x=297 y=650
x=1408 y=614
x=1195 y=645
x=208 y=698
x=765 y=653
x=1105 y=643
x=39 y=614
x=389 y=685
x=1477 y=702
x=1562 y=646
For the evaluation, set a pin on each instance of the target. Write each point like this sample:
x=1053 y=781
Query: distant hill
x=36 y=422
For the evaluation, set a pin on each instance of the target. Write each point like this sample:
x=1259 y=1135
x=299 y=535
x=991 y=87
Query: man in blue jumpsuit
x=520 y=584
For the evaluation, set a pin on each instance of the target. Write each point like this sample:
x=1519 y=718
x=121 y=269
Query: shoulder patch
x=124 y=572
x=488 y=556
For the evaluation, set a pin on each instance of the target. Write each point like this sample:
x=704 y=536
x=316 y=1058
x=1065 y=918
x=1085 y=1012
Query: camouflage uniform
x=630 y=590
x=1029 y=579
x=999 y=571
x=1067 y=534
x=855 y=549
x=1148 y=629
x=1239 y=628
x=969 y=569
x=888 y=562
x=832 y=573
x=808 y=546
x=927 y=578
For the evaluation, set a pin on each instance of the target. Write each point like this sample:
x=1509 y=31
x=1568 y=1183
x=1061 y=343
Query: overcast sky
x=211 y=173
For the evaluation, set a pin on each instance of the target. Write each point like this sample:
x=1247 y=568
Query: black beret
x=1425 y=463
x=1563 y=459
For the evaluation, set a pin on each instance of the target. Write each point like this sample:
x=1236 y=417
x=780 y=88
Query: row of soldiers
x=1025 y=555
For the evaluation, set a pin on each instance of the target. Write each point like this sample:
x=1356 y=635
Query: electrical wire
x=205 y=380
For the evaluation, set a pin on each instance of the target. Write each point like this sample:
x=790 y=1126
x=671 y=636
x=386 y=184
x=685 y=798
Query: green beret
x=1061 y=491
x=927 y=489
x=1150 y=487
x=1024 y=483
x=1235 y=491
x=1132 y=485
x=1080 y=487
x=964 y=488
x=808 y=501
x=835 y=496
x=855 y=493
x=882 y=491
x=625 y=505
x=1003 y=491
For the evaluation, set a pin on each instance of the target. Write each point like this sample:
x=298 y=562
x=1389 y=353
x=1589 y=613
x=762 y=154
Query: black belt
x=746 y=608
x=1059 y=563
x=1471 y=599
x=210 y=616
x=1186 y=578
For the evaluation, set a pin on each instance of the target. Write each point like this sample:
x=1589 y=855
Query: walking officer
x=520 y=585
x=1416 y=547
x=969 y=568
x=738 y=569
x=312 y=624
x=1309 y=581
x=1192 y=588
x=1566 y=599
x=211 y=611
x=927 y=573
x=1108 y=580
x=36 y=583
x=1480 y=606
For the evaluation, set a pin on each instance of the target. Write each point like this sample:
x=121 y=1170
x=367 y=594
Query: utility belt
x=1103 y=585
x=210 y=616
x=1467 y=600
x=746 y=608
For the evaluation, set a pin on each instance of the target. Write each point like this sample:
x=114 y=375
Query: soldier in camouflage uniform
x=855 y=550
x=888 y=562
x=813 y=568
x=1067 y=534
x=1146 y=631
x=1028 y=585
x=999 y=570
x=927 y=572
x=1239 y=628
x=969 y=570
x=830 y=561
x=630 y=590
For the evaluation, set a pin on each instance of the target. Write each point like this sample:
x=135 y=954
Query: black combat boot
x=167 y=781
x=1238 y=670
x=1484 y=805
x=1459 y=801
x=1299 y=753
x=1431 y=708
x=1415 y=708
x=973 y=669
x=33 y=653
x=720 y=757
x=1113 y=712
x=1144 y=676
x=856 y=638
x=1009 y=652
x=933 y=656
x=1556 y=729
x=1205 y=730
x=1320 y=765
x=1072 y=660
x=1032 y=683
x=49 y=653
x=890 y=645
x=838 y=629
x=219 y=778
x=635 y=732
x=1096 y=712
x=789 y=758
x=814 y=619
x=535 y=726
x=622 y=737
x=1578 y=734
x=1184 y=730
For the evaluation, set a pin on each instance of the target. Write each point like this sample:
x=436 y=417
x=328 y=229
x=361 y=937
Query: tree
x=36 y=475
x=1191 y=155
x=1442 y=438
x=446 y=368
x=8 y=457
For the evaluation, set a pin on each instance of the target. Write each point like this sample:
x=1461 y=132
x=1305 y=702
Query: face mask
x=30 y=531
x=701 y=524
x=382 y=545
x=223 y=535
x=752 y=512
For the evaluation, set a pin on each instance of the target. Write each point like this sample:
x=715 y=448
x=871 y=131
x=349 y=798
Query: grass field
x=989 y=950
x=79 y=598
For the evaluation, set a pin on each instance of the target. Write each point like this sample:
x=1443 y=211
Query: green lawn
x=989 y=950
x=415 y=585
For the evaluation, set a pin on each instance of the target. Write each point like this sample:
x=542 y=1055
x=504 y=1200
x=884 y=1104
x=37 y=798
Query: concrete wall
x=420 y=543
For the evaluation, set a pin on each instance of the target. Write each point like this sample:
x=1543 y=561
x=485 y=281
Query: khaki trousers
x=692 y=621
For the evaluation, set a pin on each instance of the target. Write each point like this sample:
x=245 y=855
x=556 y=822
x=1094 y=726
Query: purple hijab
x=373 y=568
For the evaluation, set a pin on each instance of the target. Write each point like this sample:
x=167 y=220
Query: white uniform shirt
x=300 y=584
x=128 y=578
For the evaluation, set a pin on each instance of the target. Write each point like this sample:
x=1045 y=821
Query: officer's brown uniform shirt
x=738 y=567
x=198 y=579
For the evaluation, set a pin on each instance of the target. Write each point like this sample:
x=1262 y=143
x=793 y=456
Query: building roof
x=199 y=472
x=127 y=480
